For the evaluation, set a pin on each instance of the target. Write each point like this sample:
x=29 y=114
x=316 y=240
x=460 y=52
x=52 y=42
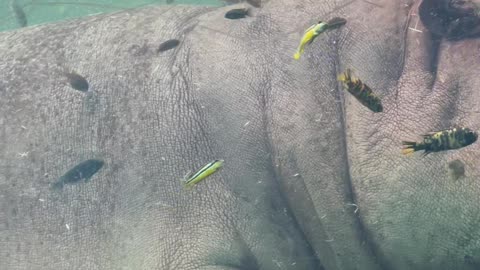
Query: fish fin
x=187 y=175
x=408 y=151
x=186 y=185
x=409 y=147
x=424 y=154
x=296 y=56
x=57 y=185
x=345 y=76
x=310 y=41
x=409 y=144
x=309 y=28
x=248 y=12
x=428 y=134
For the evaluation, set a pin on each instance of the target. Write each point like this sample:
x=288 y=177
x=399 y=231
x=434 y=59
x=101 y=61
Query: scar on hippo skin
x=456 y=169
x=452 y=19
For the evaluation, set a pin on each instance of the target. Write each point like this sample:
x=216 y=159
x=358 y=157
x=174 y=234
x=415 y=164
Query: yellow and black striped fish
x=193 y=178
x=442 y=140
x=360 y=91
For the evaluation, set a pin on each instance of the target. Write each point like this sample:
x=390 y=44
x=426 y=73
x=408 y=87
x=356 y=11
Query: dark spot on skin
x=456 y=169
x=83 y=171
x=77 y=81
x=111 y=207
x=168 y=45
x=238 y=13
x=14 y=212
x=453 y=19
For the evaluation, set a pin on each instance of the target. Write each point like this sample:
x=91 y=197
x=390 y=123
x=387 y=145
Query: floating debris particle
x=356 y=207
x=193 y=178
x=168 y=45
x=77 y=81
x=238 y=13
x=442 y=140
x=83 y=171
x=360 y=91
x=19 y=13
x=456 y=169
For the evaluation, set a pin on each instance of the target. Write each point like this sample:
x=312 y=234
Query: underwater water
x=17 y=13
x=248 y=135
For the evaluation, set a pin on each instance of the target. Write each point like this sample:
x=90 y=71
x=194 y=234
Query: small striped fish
x=442 y=140
x=360 y=91
x=193 y=178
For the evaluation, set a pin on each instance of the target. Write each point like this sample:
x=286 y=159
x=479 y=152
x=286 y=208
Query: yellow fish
x=193 y=178
x=314 y=31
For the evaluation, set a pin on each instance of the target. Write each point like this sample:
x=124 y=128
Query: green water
x=45 y=11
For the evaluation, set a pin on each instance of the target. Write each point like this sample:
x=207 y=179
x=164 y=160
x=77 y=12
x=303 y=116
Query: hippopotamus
x=311 y=178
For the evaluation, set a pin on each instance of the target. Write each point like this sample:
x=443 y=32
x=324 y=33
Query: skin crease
x=312 y=180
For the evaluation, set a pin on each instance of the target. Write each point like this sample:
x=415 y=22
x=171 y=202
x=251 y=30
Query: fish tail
x=345 y=76
x=187 y=185
x=409 y=148
x=248 y=12
x=57 y=185
x=299 y=52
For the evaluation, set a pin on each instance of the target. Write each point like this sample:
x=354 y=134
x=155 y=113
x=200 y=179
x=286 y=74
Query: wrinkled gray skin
x=298 y=151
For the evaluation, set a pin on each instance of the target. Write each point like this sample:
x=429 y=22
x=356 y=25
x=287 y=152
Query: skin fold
x=311 y=180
